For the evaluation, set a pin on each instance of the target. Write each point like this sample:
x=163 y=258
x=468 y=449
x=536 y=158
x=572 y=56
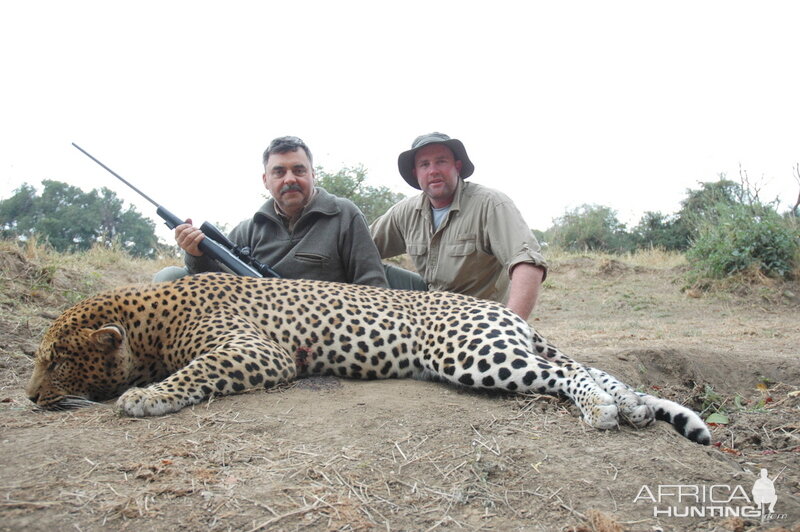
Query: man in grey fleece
x=302 y=231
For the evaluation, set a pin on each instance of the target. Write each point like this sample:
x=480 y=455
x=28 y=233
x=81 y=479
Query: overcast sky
x=622 y=104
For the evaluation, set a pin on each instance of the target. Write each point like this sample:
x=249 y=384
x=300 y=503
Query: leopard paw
x=639 y=416
x=141 y=402
x=632 y=409
x=602 y=417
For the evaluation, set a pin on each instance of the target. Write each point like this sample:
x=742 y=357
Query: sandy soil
x=331 y=454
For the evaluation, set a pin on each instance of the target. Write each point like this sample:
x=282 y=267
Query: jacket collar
x=323 y=203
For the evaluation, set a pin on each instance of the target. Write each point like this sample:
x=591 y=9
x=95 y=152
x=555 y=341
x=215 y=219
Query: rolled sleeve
x=530 y=255
x=510 y=238
x=387 y=234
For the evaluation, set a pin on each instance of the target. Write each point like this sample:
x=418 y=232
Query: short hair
x=284 y=145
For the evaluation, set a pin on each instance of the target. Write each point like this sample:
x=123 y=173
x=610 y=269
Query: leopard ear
x=109 y=336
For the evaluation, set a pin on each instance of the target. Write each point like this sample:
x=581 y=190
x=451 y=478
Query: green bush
x=741 y=237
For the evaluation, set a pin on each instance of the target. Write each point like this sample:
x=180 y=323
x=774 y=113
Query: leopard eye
x=55 y=358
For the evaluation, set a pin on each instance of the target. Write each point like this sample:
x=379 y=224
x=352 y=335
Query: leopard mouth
x=67 y=401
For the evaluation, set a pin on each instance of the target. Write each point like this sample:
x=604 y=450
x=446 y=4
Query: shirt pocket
x=464 y=245
x=312 y=258
x=417 y=250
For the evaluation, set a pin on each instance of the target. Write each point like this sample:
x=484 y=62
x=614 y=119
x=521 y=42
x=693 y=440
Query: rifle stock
x=208 y=246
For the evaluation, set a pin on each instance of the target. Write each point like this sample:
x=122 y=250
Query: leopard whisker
x=79 y=402
x=70 y=402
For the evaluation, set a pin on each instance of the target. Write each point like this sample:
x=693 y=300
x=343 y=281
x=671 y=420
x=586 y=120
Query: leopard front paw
x=140 y=402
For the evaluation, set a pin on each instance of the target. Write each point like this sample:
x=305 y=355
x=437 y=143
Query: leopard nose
x=34 y=398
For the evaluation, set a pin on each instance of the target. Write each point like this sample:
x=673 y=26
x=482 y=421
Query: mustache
x=289 y=188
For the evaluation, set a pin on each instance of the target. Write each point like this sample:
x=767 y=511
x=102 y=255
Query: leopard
x=161 y=347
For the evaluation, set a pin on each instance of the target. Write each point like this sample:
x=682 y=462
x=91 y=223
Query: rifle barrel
x=112 y=172
x=208 y=246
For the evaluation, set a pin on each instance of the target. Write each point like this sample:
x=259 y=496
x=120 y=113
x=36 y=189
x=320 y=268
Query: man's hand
x=189 y=237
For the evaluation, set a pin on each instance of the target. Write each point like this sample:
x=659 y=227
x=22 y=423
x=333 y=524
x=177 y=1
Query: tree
x=656 y=230
x=702 y=204
x=18 y=213
x=350 y=183
x=590 y=228
x=73 y=220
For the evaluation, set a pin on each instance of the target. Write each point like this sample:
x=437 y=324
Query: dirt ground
x=331 y=454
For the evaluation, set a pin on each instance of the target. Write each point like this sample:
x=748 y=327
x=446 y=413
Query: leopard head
x=77 y=365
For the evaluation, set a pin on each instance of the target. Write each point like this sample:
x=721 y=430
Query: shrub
x=741 y=237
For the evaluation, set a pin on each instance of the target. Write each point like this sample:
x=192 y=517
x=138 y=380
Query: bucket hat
x=405 y=162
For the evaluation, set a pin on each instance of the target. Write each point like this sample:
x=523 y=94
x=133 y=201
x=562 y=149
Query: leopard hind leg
x=548 y=351
x=638 y=409
x=598 y=407
x=631 y=408
x=502 y=367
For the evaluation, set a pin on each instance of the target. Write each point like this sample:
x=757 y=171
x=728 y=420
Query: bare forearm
x=524 y=289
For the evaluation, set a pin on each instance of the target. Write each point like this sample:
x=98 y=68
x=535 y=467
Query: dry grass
x=36 y=269
x=654 y=258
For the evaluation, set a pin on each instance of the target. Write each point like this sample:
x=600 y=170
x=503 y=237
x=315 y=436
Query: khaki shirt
x=481 y=238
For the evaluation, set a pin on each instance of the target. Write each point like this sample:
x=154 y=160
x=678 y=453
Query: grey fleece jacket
x=329 y=242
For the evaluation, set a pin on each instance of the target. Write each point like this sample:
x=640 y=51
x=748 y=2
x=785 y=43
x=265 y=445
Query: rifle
x=217 y=246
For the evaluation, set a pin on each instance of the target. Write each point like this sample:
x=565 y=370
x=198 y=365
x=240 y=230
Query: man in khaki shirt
x=462 y=237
